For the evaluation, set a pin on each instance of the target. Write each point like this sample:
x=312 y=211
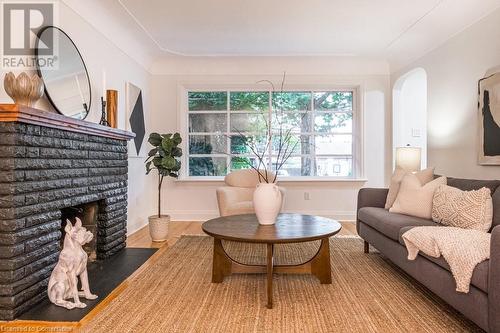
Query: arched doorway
x=409 y=112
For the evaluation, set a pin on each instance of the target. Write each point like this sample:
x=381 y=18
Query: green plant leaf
x=177 y=166
x=153 y=152
x=155 y=139
x=174 y=175
x=177 y=152
x=157 y=162
x=148 y=167
x=177 y=139
x=167 y=144
x=168 y=162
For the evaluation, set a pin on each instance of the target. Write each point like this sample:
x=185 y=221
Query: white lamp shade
x=408 y=158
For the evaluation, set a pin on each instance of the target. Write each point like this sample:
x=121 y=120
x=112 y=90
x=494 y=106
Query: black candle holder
x=103 y=120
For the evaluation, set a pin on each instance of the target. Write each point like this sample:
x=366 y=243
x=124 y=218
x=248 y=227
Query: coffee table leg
x=320 y=265
x=221 y=265
x=270 y=250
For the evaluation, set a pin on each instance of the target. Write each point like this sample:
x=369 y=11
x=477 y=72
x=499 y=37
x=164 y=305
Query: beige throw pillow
x=424 y=176
x=463 y=209
x=414 y=198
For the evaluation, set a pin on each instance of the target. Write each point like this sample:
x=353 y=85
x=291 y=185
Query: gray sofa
x=383 y=230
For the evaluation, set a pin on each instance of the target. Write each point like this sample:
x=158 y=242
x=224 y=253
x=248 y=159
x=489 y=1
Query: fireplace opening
x=87 y=213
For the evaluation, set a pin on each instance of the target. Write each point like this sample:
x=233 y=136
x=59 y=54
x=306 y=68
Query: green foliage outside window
x=334 y=109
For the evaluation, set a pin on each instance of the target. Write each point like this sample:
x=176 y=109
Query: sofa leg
x=367 y=247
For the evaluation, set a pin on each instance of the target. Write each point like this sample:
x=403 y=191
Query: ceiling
x=287 y=27
x=397 y=30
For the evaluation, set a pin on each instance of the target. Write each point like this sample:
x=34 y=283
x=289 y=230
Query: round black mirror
x=67 y=83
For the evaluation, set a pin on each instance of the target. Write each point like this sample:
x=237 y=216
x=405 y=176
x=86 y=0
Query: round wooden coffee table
x=289 y=228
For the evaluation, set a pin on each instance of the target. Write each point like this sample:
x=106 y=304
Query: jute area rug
x=368 y=294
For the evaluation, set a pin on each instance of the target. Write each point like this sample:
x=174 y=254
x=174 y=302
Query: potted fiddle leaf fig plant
x=165 y=159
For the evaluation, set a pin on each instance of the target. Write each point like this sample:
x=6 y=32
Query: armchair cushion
x=230 y=198
x=238 y=208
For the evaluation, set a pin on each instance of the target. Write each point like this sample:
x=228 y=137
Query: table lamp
x=408 y=158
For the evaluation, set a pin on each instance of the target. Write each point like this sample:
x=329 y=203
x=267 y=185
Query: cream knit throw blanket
x=462 y=249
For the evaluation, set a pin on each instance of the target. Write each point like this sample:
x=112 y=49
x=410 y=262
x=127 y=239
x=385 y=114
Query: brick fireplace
x=51 y=165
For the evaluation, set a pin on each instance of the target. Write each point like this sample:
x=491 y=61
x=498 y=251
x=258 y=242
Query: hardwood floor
x=142 y=239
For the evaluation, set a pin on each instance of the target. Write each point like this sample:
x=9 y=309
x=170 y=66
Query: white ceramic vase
x=158 y=227
x=267 y=203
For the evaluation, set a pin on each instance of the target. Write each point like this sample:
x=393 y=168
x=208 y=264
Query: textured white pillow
x=424 y=176
x=463 y=209
x=414 y=198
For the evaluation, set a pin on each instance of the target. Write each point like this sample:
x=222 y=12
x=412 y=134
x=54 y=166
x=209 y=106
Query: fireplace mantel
x=27 y=115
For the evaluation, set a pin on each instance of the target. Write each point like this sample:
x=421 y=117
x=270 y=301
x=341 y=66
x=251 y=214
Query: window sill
x=282 y=180
x=323 y=179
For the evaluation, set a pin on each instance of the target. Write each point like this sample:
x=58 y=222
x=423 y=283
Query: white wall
x=196 y=200
x=101 y=53
x=453 y=71
x=409 y=112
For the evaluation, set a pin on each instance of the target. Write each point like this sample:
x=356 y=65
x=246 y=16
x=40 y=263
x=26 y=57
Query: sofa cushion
x=476 y=184
x=388 y=223
x=414 y=198
x=463 y=209
x=424 y=176
x=479 y=277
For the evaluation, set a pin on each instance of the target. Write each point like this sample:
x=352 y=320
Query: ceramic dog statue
x=63 y=283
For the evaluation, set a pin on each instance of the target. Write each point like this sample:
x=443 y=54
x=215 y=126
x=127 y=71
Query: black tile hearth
x=104 y=277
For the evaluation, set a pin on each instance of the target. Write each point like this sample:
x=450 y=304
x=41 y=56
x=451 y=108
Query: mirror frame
x=40 y=32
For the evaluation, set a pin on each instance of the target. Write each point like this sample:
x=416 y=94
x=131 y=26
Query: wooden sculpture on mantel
x=112 y=107
x=63 y=283
x=23 y=89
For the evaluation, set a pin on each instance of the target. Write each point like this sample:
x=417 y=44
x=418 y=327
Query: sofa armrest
x=372 y=197
x=494 y=282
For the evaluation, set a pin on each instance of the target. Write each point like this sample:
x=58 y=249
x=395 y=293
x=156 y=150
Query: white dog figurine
x=63 y=283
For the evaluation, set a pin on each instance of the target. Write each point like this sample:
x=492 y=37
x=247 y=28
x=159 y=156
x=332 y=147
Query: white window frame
x=357 y=128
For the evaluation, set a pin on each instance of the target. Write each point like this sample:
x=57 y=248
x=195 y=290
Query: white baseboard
x=133 y=230
x=193 y=215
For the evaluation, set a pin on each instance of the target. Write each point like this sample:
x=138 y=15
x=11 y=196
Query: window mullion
x=270 y=123
x=228 y=130
x=313 y=136
x=186 y=158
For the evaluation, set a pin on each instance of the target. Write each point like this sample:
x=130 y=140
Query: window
x=321 y=123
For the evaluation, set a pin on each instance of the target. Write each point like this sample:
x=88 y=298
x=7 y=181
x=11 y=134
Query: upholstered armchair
x=237 y=196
